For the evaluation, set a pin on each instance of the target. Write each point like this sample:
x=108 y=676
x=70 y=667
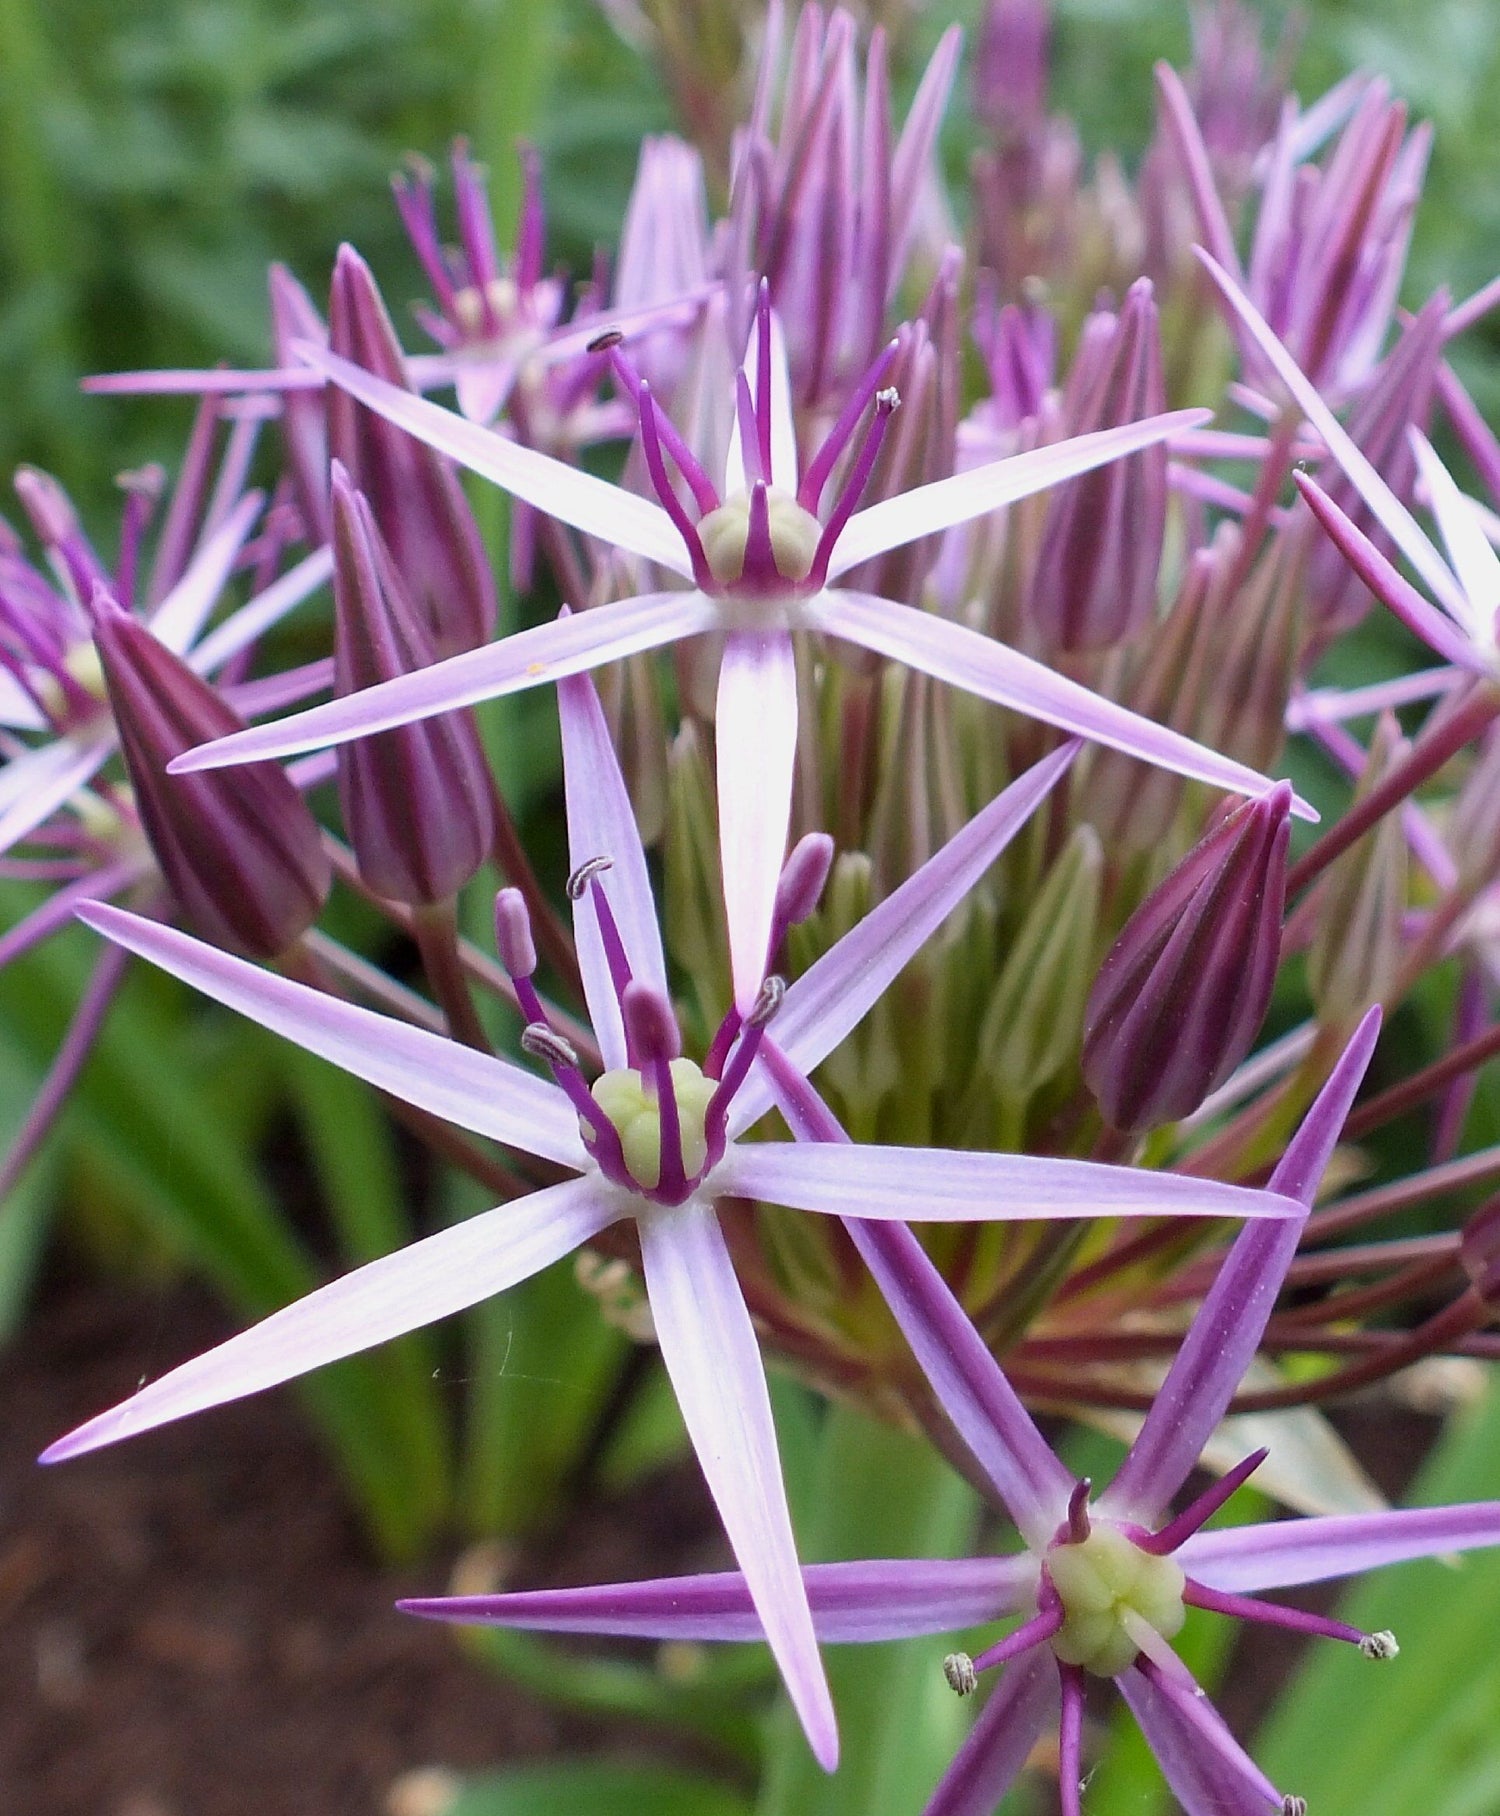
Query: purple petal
x=710 y=1352
x=180 y=616
x=878 y=1600
x=34 y=786
x=417 y=1285
x=567 y=493
x=998 y=1745
x=1394 y=517
x=1032 y=1484
x=950 y=1185
x=1277 y=1554
x=1228 y=1328
x=547 y=652
x=474 y=1090
x=925 y=510
x=601 y=823
x=979 y=665
x=1201 y=1760
x=755 y=733
x=1387 y=583
x=833 y=995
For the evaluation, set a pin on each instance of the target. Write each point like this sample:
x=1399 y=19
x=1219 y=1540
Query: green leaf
x=1419 y=1736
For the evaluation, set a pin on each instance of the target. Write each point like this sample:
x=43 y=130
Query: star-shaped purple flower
x=762 y=556
x=1103 y=1583
x=654 y=1140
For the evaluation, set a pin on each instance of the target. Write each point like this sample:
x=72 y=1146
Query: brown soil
x=192 y=1626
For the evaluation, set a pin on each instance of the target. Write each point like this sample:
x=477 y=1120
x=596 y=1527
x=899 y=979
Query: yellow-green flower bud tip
x=1107 y=1585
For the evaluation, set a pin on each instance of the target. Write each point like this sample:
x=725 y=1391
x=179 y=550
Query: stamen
x=579 y=881
x=544 y=1043
x=558 y=1055
x=837 y=439
x=651 y=420
x=415 y=205
x=1272 y=1614
x=475 y=228
x=763 y=379
x=1178 y=1531
x=1293 y=1806
x=705 y=496
x=1034 y=1632
x=1380 y=1646
x=768 y=999
x=529 y=230
x=958 y=1668
x=749 y=429
x=615 y=956
x=723 y=1040
x=1079 y=1525
x=886 y=402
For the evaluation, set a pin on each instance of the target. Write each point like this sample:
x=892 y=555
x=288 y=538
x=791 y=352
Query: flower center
x=475 y=312
x=725 y=532
x=628 y=1101
x=79 y=678
x=1111 y=1591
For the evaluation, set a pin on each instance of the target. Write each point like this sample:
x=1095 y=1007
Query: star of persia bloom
x=1103 y=1583
x=761 y=563
x=655 y=1141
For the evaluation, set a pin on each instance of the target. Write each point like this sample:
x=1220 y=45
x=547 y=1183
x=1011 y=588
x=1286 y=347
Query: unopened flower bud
x=1095 y=583
x=414 y=493
x=241 y=852
x=1185 y=987
x=416 y=799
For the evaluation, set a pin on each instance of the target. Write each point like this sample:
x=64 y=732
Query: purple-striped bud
x=1095 y=583
x=416 y=799
x=1185 y=987
x=414 y=493
x=238 y=847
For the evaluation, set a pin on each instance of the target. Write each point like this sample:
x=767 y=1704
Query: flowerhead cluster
x=928 y=861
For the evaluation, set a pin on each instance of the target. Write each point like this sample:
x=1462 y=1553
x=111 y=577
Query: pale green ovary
x=795 y=534
x=631 y=1107
x=1108 y=1584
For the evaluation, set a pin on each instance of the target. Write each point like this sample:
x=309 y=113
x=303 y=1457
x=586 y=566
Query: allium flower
x=1104 y=1583
x=762 y=564
x=655 y=1140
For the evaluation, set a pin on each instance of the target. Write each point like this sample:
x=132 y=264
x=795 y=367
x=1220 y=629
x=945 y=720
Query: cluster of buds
x=979 y=875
